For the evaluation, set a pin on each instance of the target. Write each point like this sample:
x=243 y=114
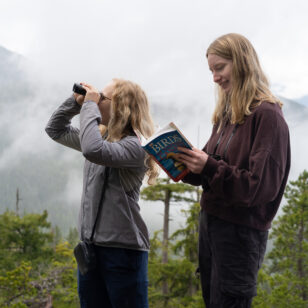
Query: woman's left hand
x=92 y=93
x=194 y=159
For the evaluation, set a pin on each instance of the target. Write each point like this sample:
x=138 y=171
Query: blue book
x=163 y=147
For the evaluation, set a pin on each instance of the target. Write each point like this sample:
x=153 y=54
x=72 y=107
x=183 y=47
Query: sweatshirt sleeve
x=126 y=153
x=193 y=179
x=268 y=160
x=59 y=126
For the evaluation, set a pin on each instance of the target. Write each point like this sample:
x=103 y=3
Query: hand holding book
x=163 y=147
x=194 y=159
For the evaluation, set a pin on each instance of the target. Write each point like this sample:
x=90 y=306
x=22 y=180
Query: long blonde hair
x=130 y=113
x=249 y=84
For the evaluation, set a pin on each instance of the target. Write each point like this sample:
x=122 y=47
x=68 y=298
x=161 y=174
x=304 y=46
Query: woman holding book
x=243 y=170
x=109 y=124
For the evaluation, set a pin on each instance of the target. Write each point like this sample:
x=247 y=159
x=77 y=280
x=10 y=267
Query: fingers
x=194 y=159
x=194 y=152
x=192 y=165
x=184 y=150
x=187 y=159
x=79 y=98
x=92 y=93
x=85 y=85
x=88 y=87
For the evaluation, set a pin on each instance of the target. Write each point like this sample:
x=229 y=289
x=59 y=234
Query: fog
x=160 y=45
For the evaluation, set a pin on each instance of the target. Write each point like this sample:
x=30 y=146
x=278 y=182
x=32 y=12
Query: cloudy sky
x=160 y=44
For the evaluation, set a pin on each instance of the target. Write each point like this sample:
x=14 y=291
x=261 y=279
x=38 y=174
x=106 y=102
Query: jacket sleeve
x=126 y=153
x=268 y=161
x=59 y=126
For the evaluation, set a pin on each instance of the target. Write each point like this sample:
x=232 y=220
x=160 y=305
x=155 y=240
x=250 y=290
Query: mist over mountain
x=49 y=176
x=29 y=161
x=13 y=80
x=303 y=100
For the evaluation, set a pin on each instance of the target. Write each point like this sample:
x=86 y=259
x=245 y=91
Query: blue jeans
x=119 y=281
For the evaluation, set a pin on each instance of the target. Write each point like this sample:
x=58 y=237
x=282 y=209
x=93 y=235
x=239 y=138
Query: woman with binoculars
x=109 y=218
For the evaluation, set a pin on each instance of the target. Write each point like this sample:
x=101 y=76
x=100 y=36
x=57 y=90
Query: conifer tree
x=188 y=244
x=24 y=238
x=289 y=256
x=179 y=272
x=73 y=237
x=167 y=192
x=33 y=271
x=286 y=276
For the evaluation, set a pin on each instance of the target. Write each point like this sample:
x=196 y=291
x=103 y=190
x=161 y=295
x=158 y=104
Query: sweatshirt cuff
x=210 y=167
x=91 y=110
x=71 y=100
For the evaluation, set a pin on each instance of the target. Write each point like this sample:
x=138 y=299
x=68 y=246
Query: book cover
x=163 y=147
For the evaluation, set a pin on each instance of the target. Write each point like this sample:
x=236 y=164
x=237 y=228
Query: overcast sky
x=158 y=43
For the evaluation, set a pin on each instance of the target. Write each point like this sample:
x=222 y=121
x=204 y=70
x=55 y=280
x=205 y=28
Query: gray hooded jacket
x=119 y=223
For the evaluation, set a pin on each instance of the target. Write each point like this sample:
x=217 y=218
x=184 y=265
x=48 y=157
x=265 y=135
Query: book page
x=167 y=128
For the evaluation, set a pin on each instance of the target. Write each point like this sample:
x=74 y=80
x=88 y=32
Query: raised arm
x=59 y=125
x=126 y=153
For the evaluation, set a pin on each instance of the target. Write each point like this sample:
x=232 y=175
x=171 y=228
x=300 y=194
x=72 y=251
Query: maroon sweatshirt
x=247 y=186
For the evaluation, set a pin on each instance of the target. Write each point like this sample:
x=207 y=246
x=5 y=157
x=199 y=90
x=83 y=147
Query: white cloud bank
x=160 y=44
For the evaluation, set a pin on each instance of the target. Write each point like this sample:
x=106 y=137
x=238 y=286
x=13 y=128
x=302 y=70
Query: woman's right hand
x=79 y=98
x=194 y=159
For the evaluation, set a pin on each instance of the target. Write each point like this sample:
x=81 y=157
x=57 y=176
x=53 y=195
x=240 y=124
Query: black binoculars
x=77 y=88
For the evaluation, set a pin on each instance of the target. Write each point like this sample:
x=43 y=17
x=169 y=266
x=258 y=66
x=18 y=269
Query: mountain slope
x=13 y=78
x=49 y=176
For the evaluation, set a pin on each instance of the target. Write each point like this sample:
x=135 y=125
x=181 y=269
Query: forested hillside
x=37 y=268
